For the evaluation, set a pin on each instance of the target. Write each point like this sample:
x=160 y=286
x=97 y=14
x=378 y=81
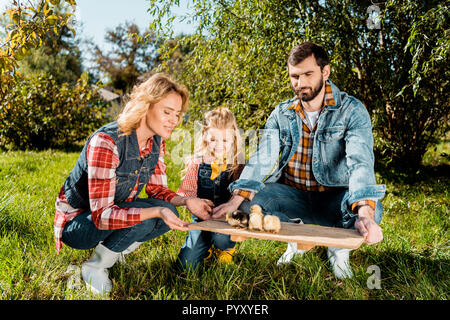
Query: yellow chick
x=272 y=223
x=255 y=221
x=237 y=219
x=255 y=208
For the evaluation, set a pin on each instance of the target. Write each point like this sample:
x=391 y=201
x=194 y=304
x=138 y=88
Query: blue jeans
x=197 y=244
x=327 y=208
x=81 y=232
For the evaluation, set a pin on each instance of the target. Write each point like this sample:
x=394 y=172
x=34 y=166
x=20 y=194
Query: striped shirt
x=102 y=160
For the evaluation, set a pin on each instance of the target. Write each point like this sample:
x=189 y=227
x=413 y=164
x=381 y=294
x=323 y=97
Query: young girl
x=208 y=173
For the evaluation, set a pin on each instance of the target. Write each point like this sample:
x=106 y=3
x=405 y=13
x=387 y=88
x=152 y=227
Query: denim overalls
x=198 y=242
x=81 y=232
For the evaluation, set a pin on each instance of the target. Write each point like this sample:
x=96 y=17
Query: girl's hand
x=171 y=220
x=230 y=206
x=202 y=208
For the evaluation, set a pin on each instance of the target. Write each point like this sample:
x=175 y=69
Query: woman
x=98 y=206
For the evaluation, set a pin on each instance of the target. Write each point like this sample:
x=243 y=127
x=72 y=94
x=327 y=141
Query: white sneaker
x=340 y=262
x=290 y=253
x=95 y=273
x=130 y=249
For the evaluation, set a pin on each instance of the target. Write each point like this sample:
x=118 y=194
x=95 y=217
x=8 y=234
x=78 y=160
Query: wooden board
x=306 y=236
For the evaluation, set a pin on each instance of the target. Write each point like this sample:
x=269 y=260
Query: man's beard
x=314 y=91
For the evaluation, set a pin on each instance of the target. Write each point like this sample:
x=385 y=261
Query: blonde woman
x=98 y=206
x=208 y=173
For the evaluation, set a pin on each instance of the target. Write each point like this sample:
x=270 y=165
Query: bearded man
x=314 y=163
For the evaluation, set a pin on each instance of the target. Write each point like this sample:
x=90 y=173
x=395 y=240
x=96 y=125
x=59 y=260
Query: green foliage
x=31 y=21
x=39 y=113
x=64 y=66
x=399 y=69
x=59 y=54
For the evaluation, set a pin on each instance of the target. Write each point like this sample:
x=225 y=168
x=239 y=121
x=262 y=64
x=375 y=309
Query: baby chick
x=237 y=219
x=255 y=221
x=272 y=223
x=255 y=208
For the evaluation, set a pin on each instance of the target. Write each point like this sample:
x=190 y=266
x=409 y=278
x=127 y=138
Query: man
x=314 y=163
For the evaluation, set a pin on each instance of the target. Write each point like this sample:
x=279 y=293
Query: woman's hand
x=167 y=215
x=171 y=220
x=202 y=208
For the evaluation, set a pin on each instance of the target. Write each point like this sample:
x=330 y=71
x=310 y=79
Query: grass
x=413 y=257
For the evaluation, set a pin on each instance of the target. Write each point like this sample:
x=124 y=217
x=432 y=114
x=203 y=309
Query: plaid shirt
x=103 y=159
x=298 y=172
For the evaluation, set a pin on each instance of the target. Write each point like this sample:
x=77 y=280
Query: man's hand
x=171 y=220
x=367 y=227
x=229 y=206
x=202 y=208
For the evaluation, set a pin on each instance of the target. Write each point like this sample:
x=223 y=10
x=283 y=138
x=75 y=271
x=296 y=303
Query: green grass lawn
x=413 y=258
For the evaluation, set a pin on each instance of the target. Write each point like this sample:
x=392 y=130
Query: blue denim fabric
x=132 y=167
x=321 y=208
x=342 y=149
x=198 y=242
x=81 y=232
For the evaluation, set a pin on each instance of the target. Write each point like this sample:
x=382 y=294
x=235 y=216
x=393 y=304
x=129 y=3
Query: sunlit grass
x=413 y=257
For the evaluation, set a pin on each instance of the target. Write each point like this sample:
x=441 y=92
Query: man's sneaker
x=290 y=253
x=340 y=262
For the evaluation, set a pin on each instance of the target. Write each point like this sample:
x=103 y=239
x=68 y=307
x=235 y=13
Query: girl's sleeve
x=188 y=187
x=102 y=160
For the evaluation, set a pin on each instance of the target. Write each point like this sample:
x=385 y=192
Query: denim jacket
x=342 y=150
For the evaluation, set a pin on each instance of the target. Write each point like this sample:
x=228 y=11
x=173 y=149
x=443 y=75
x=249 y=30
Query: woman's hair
x=221 y=118
x=144 y=96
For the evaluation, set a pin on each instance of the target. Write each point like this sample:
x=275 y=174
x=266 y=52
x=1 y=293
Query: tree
x=132 y=54
x=59 y=54
x=398 y=66
x=39 y=113
x=40 y=110
x=30 y=23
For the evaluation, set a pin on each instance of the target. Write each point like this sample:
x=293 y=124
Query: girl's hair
x=144 y=96
x=221 y=118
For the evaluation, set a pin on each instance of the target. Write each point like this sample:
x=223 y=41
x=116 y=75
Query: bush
x=38 y=114
x=398 y=69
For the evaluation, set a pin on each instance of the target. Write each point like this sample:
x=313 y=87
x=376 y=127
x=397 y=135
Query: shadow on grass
x=411 y=275
x=406 y=175
x=10 y=224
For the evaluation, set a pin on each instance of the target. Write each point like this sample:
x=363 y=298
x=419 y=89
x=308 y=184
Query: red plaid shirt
x=103 y=159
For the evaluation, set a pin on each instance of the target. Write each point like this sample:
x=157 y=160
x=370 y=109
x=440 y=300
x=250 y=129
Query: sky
x=97 y=16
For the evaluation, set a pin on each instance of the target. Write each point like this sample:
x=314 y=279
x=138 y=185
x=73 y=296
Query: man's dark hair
x=306 y=49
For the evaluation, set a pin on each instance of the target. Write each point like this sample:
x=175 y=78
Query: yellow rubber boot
x=210 y=254
x=225 y=256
